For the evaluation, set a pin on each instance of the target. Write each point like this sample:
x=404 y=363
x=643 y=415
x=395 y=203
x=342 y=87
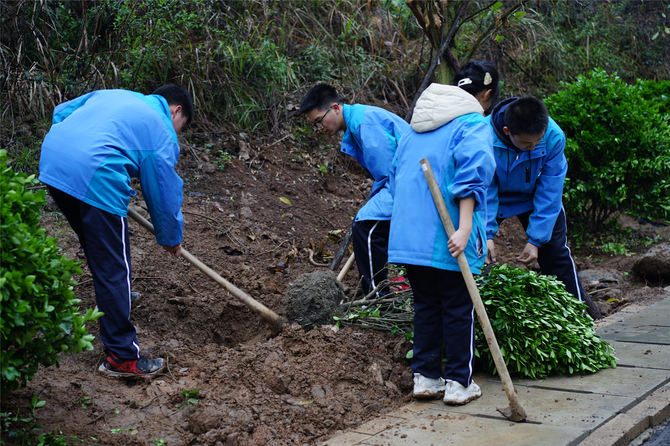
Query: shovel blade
x=516 y=414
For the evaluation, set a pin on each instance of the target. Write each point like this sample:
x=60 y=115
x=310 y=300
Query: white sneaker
x=427 y=387
x=456 y=394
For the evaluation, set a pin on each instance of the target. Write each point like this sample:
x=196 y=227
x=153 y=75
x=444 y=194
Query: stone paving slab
x=632 y=354
x=584 y=411
x=662 y=304
x=346 y=439
x=646 y=334
x=650 y=316
x=442 y=428
x=622 y=381
x=378 y=425
x=618 y=316
x=625 y=427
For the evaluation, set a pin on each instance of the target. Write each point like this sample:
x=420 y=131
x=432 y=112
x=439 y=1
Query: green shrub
x=658 y=91
x=37 y=303
x=540 y=327
x=618 y=149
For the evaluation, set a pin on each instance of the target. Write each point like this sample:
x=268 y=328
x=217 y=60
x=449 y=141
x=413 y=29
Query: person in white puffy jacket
x=449 y=129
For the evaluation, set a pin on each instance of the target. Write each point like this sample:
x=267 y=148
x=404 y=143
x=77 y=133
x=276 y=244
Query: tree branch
x=493 y=26
x=451 y=59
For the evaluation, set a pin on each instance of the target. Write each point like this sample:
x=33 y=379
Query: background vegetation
x=248 y=63
x=242 y=60
x=618 y=144
x=40 y=319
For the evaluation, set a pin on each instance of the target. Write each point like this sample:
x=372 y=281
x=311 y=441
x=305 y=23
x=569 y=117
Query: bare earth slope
x=252 y=223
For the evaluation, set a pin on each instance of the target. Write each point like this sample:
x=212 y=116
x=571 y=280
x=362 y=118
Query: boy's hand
x=458 y=242
x=491 y=255
x=176 y=250
x=529 y=253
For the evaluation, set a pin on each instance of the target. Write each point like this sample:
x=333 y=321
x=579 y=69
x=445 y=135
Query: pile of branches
x=391 y=310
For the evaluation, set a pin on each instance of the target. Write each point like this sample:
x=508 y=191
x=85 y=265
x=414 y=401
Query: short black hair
x=528 y=116
x=319 y=97
x=176 y=95
x=476 y=71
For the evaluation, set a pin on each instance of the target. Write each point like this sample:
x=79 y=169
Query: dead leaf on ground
x=336 y=235
x=278 y=268
x=231 y=251
x=298 y=402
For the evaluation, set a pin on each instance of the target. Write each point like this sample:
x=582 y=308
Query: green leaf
x=285 y=200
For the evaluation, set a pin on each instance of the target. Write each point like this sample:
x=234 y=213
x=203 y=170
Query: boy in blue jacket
x=449 y=129
x=530 y=171
x=97 y=143
x=371 y=136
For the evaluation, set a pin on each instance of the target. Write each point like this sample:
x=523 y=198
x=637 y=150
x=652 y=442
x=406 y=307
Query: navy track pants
x=104 y=238
x=555 y=258
x=370 y=239
x=443 y=313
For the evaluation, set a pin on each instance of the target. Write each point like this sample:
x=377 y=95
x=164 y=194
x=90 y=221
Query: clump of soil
x=313 y=299
x=300 y=387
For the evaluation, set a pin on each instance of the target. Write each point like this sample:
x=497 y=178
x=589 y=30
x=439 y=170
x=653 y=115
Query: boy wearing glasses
x=371 y=136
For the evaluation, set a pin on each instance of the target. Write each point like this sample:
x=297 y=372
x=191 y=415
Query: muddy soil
x=253 y=223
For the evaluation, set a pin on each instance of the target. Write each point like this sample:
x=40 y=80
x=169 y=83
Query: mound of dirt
x=313 y=299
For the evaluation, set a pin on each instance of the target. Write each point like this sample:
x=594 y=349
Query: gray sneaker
x=456 y=394
x=427 y=388
x=135 y=298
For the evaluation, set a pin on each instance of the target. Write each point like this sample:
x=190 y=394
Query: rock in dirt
x=208 y=168
x=655 y=264
x=593 y=277
x=204 y=420
x=313 y=299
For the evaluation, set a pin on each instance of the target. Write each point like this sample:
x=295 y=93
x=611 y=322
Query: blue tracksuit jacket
x=100 y=140
x=525 y=181
x=460 y=156
x=372 y=137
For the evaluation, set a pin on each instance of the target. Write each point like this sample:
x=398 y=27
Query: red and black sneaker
x=133 y=368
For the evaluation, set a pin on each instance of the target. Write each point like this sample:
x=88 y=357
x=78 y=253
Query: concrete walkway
x=610 y=407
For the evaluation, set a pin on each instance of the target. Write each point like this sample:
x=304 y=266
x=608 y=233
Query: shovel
x=514 y=412
x=274 y=321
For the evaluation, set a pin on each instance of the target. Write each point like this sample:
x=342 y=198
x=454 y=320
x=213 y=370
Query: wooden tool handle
x=264 y=312
x=346 y=267
x=474 y=295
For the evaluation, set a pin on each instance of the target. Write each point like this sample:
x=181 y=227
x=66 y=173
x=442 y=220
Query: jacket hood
x=498 y=122
x=440 y=104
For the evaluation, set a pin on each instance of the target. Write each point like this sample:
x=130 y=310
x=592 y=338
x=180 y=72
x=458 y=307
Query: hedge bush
x=658 y=91
x=37 y=302
x=540 y=327
x=618 y=148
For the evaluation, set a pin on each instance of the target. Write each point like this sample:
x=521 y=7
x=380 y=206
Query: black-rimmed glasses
x=317 y=123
